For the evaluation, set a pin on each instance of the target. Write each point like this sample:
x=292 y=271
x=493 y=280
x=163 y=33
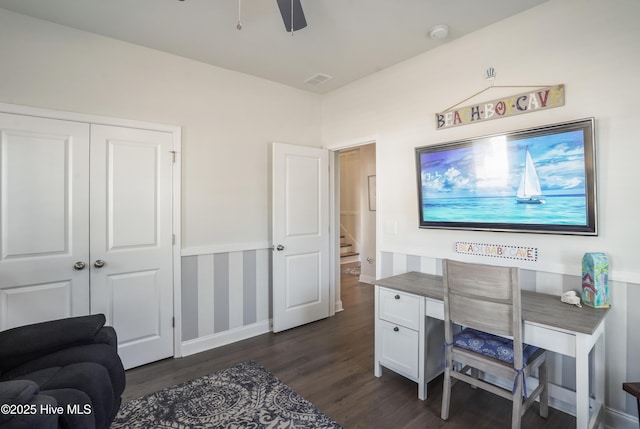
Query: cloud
x=451 y=181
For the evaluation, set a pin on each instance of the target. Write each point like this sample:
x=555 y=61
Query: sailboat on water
x=529 y=191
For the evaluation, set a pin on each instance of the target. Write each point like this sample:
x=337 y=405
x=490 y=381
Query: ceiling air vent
x=318 y=79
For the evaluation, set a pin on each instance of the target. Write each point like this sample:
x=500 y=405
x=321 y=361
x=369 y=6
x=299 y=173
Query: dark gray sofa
x=60 y=374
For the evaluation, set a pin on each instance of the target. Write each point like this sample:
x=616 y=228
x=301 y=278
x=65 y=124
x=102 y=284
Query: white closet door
x=44 y=219
x=131 y=239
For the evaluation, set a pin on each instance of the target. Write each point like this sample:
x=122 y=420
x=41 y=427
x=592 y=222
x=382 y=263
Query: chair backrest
x=483 y=297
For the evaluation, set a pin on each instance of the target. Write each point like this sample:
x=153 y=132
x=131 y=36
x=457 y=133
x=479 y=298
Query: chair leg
x=544 y=395
x=475 y=374
x=516 y=412
x=446 y=393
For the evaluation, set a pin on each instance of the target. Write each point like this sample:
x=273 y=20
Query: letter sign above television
x=536 y=180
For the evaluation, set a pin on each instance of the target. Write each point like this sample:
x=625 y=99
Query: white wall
x=590 y=46
x=228 y=119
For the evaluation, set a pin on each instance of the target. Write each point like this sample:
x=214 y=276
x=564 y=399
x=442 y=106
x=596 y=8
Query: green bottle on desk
x=595 y=280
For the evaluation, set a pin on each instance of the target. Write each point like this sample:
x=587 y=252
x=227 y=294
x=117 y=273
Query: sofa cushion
x=38 y=377
x=102 y=354
x=89 y=378
x=17 y=391
x=30 y=421
x=29 y=342
x=75 y=364
x=25 y=393
x=73 y=401
x=84 y=385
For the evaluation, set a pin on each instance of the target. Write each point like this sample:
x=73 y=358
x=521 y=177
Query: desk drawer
x=400 y=308
x=550 y=339
x=435 y=308
x=399 y=349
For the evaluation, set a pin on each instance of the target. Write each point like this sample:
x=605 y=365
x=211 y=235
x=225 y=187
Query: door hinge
x=173 y=156
x=173 y=239
x=173 y=322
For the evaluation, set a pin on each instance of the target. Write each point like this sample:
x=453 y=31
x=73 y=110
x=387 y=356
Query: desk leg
x=599 y=367
x=377 y=368
x=582 y=382
x=583 y=397
x=423 y=352
x=422 y=390
x=422 y=381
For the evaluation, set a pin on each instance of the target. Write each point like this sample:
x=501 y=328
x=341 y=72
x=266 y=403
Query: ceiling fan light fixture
x=439 y=32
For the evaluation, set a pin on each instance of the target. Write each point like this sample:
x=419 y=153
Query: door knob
x=79 y=266
x=279 y=247
x=99 y=263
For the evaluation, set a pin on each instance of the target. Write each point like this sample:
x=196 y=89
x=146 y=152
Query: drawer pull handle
x=397 y=297
x=396 y=329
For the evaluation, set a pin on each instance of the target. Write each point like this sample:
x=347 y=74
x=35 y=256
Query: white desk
x=548 y=323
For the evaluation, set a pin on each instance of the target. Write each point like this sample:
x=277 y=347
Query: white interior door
x=132 y=239
x=44 y=219
x=301 y=265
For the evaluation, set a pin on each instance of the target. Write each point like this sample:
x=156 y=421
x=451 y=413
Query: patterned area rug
x=243 y=396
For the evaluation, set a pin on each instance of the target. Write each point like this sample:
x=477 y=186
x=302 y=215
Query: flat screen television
x=540 y=180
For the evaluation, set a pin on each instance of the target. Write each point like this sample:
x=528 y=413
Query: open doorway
x=356 y=200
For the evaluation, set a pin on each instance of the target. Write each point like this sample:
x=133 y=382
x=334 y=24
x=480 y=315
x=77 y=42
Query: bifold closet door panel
x=131 y=238
x=44 y=219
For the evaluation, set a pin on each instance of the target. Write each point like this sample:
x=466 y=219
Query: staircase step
x=345 y=245
x=347 y=254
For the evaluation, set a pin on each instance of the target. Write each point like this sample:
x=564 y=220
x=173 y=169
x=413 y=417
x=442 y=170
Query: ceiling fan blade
x=299 y=21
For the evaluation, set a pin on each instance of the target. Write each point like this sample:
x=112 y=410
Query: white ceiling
x=345 y=39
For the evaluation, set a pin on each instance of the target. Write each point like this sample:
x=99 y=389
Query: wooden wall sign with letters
x=526 y=102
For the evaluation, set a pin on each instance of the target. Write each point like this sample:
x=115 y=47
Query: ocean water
x=558 y=210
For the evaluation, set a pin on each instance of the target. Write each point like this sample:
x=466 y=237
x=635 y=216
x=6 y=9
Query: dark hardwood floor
x=330 y=363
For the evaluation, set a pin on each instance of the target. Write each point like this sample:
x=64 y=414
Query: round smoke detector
x=439 y=32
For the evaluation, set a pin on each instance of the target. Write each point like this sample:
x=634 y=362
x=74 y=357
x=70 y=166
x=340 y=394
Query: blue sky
x=492 y=166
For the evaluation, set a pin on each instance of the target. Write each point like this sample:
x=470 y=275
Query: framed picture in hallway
x=372 y=193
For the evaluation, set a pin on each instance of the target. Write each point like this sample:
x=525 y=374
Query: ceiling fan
x=291 y=12
x=292 y=15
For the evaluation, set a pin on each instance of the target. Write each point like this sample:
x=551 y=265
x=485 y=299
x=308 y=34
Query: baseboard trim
x=619 y=420
x=213 y=341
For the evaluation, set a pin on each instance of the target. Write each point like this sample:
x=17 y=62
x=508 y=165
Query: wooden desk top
x=537 y=307
x=632 y=388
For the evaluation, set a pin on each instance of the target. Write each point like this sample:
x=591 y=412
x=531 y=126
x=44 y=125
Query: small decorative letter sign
x=527 y=102
x=498 y=250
